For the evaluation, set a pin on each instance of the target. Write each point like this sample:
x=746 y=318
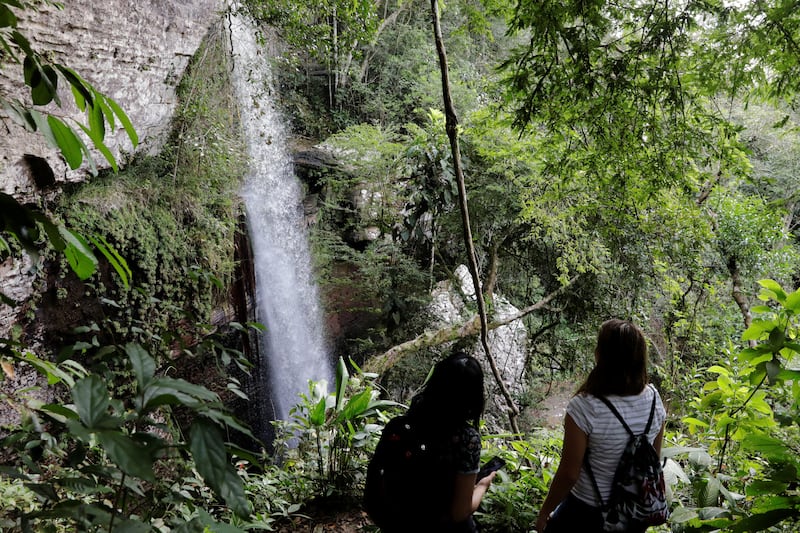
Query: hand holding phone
x=493 y=464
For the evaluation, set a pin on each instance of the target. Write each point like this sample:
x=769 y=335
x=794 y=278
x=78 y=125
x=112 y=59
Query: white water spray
x=286 y=293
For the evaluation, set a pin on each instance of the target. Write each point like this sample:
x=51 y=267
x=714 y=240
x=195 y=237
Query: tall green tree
x=332 y=33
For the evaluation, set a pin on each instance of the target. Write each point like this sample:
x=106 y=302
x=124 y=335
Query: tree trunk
x=738 y=296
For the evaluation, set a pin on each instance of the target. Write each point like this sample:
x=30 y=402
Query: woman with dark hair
x=591 y=429
x=445 y=416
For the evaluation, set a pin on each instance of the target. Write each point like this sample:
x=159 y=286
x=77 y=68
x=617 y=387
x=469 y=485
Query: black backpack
x=394 y=497
x=638 y=493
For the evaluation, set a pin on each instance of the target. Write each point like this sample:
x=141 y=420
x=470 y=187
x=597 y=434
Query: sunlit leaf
x=773 y=289
x=317 y=415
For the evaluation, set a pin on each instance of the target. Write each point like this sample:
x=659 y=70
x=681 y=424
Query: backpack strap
x=591 y=477
x=619 y=416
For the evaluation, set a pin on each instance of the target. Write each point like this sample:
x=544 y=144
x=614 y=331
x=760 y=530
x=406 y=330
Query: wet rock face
x=134 y=52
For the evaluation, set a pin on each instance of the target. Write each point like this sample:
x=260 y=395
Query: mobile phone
x=495 y=463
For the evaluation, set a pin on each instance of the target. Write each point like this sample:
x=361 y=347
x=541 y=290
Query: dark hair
x=452 y=395
x=621 y=360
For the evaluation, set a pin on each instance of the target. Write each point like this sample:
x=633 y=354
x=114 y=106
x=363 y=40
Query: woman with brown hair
x=591 y=429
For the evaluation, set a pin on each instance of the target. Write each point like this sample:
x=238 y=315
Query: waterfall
x=293 y=348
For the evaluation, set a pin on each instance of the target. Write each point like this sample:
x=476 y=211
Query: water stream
x=293 y=347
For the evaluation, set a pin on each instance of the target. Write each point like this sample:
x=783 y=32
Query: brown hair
x=621 y=355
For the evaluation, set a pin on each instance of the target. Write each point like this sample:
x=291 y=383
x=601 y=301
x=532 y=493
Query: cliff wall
x=134 y=52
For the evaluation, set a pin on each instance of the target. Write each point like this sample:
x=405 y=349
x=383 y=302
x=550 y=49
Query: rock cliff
x=134 y=52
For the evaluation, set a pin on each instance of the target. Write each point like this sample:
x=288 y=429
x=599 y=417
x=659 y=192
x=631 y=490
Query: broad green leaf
x=98 y=143
x=112 y=256
x=674 y=473
x=46 y=490
x=53 y=232
x=144 y=366
x=59 y=412
x=7 y=17
x=30 y=70
x=211 y=460
x=21 y=41
x=127 y=454
x=67 y=142
x=756 y=330
x=761 y=522
x=81 y=259
x=170 y=391
x=125 y=121
x=792 y=302
x=769 y=447
x=356 y=406
x=774 y=289
x=317 y=415
x=21 y=115
x=87 y=153
x=762 y=487
x=695 y=422
x=44 y=85
x=716 y=369
x=90 y=396
x=773 y=370
x=787 y=374
x=44 y=128
x=777 y=337
x=707 y=491
x=51 y=371
x=80 y=89
x=681 y=514
x=97 y=123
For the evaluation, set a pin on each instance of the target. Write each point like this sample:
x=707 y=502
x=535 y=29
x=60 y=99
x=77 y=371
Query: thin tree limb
x=451 y=126
x=471 y=327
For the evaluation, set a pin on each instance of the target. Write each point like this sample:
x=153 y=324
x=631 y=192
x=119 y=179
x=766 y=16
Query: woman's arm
x=568 y=471
x=467 y=495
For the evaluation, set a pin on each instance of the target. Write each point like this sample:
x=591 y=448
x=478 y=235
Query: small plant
x=105 y=457
x=336 y=431
x=512 y=502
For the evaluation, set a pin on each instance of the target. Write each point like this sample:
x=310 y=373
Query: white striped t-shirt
x=607 y=437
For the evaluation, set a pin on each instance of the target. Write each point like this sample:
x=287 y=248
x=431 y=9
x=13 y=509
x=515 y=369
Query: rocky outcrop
x=134 y=52
x=508 y=343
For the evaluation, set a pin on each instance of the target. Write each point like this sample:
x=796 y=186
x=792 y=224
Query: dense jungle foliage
x=641 y=159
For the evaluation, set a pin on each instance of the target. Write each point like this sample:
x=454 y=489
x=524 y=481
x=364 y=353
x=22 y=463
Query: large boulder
x=453 y=303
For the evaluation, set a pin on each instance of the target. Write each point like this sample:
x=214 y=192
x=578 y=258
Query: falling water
x=293 y=347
